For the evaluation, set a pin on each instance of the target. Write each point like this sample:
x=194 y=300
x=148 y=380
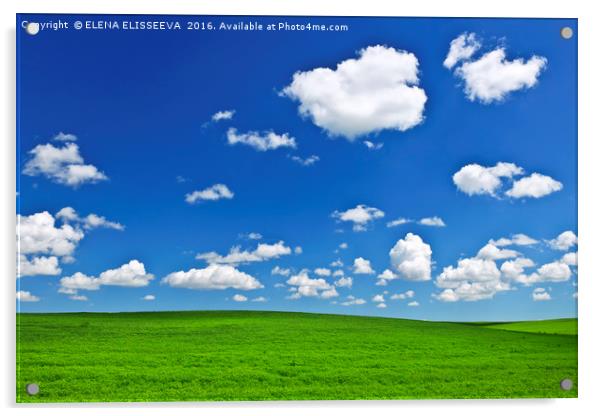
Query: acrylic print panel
x=218 y=208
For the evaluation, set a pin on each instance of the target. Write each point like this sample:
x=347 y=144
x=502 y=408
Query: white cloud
x=564 y=241
x=308 y=161
x=25 y=296
x=555 y=271
x=239 y=298
x=360 y=216
x=534 y=186
x=212 y=277
x=38 y=266
x=63 y=165
x=377 y=91
x=413 y=304
x=37 y=234
x=514 y=270
x=362 y=266
x=540 y=294
x=492 y=77
x=336 y=263
x=337 y=273
x=254 y=236
x=261 y=141
x=132 y=274
x=298 y=250
x=277 y=270
x=263 y=252
x=343 y=246
x=259 y=299
x=432 y=222
x=352 y=300
x=378 y=298
x=373 y=146
x=149 y=297
x=213 y=193
x=387 y=275
x=474 y=179
x=91 y=221
x=81 y=298
x=65 y=137
x=223 y=115
x=411 y=258
x=344 y=282
x=461 y=49
x=323 y=271
x=401 y=296
x=570 y=259
x=398 y=221
x=306 y=286
x=381 y=305
x=492 y=252
x=516 y=239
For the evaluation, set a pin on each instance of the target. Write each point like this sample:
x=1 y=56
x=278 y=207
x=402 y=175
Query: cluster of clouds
x=62 y=164
x=381 y=299
x=428 y=221
x=475 y=179
x=491 y=77
x=45 y=240
x=131 y=274
x=302 y=285
x=480 y=277
x=261 y=141
x=236 y=255
x=360 y=216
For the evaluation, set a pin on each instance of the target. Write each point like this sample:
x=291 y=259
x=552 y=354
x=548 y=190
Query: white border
x=590 y=207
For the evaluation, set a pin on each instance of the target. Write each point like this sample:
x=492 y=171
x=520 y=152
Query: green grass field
x=200 y=356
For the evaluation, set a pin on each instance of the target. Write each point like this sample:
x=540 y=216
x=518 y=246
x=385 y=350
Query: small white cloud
x=132 y=274
x=474 y=179
x=381 y=305
x=413 y=304
x=378 y=298
x=239 y=298
x=402 y=296
x=432 y=222
x=492 y=77
x=263 y=252
x=360 y=216
x=336 y=263
x=259 y=299
x=90 y=221
x=461 y=49
x=25 y=296
x=540 y=294
x=38 y=266
x=492 y=252
x=212 y=277
x=516 y=239
x=277 y=270
x=261 y=141
x=303 y=285
x=149 y=297
x=81 y=298
x=398 y=222
x=298 y=250
x=377 y=91
x=570 y=259
x=213 y=193
x=352 y=300
x=323 y=271
x=534 y=186
x=373 y=146
x=343 y=246
x=223 y=115
x=65 y=137
x=362 y=266
x=411 y=258
x=253 y=236
x=344 y=282
x=308 y=161
x=564 y=241
x=63 y=165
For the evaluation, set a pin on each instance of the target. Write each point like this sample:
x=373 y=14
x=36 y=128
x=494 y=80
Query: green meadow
x=243 y=355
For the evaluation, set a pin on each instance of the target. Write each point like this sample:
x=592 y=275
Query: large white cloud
x=38 y=266
x=78 y=281
x=37 y=234
x=360 y=216
x=461 y=48
x=377 y=91
x=492 y=77
x=411 y=258
x=261 y=141
x=212 y=277
x=535 y=186
x=564 y=241
x=62 y=165
x=263 y=252
x=213 y=193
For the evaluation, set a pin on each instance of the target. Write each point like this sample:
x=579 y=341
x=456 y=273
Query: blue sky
x=140 y=105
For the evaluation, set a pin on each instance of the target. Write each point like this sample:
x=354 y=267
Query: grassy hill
x=552 y=326
x=240 y=355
